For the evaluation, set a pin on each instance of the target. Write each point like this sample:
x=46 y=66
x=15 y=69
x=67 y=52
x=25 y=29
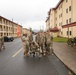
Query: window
x=0 y=21
x=61 y=14
x=61 y=6
x=66 y=0
x=61 y=23
x=70 y=33
x=61 y=33
x=70 y=8
x=56 y=25
x=56 y=18
x=67 y=32
x=69 y=20
x=56 y=11
x=67 y=10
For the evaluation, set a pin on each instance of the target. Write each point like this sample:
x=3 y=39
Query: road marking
x=17 y=52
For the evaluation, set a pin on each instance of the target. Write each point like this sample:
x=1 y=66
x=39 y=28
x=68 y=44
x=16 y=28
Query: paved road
x=13 y=63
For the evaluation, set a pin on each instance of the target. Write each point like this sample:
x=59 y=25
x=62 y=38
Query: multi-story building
x=63 y=18
x=47 y=23
x=9 y=28
x=26 y=31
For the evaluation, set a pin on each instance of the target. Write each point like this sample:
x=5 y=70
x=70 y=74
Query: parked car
x=8 y=38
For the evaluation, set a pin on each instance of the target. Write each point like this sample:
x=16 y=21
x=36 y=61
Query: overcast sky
x=28 y=13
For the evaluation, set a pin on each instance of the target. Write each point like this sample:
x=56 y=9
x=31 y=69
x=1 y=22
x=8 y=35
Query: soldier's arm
x=36 y=38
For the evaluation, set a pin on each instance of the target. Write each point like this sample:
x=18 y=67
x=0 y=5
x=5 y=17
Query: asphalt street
x=13 y=63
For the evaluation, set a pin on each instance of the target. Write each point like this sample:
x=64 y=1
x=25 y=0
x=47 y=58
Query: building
x=9 y=28
x=63 y=19
x=26 y=31
x=47 y=23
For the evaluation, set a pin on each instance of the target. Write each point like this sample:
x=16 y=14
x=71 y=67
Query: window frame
x=69 y=8
x=69 y=20
x=66 y=1
x=70 y=32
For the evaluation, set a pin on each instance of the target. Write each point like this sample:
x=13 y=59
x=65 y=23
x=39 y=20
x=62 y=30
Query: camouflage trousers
x=26 y=49
x=49 y=47
x=42 y=47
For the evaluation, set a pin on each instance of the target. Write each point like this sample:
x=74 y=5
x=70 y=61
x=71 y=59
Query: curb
x=72 y=72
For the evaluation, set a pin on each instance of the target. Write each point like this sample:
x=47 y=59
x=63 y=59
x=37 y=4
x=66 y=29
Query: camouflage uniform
x=38 y=39
x=30 y=38
x=25 y=40
x=42 y=41
x=2 y=43
x=33 y=46
x=49 y=42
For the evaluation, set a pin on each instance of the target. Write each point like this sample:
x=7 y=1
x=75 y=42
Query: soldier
x=38 y=42
x=30 y=38
x=42 y=41
x=49 y=42
x=25 y=40
x=2 y=43
x=38 y=38
x=33 y=48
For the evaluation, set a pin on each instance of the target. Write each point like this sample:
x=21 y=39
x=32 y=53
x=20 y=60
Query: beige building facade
x=47 y=23
x=26 y=31
x=9 y=28
x=63 y=17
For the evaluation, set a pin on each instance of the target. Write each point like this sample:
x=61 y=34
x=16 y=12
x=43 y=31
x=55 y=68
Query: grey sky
x=29 y=13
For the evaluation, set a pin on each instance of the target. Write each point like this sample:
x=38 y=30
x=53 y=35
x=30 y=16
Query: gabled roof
x=47 y=19
x=26 y=28
x=10 y=21
x=55 y=7
x=59 y=3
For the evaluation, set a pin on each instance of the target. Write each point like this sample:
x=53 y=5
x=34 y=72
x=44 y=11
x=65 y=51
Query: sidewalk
x=66 y=54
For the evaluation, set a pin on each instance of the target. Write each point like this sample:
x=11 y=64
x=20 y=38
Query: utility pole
x=40 y=28
x=12 y=28
x=43 y=28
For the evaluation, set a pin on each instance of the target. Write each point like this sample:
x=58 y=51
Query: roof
x=59 y=3
x=26 y=29
x=9 y=20
x=56 y=6
x=47 y=19
x=69 y=25
x=55 y=29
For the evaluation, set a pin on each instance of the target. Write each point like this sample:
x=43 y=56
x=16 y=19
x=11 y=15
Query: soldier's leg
x=24 y=50
x=51 y=48
x=27 y=50
x=47 y=48
x=42 y=48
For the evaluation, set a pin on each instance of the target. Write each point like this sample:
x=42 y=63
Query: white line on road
x=17 y=52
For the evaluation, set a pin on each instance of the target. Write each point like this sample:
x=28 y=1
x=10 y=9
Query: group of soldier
x=43 y=41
